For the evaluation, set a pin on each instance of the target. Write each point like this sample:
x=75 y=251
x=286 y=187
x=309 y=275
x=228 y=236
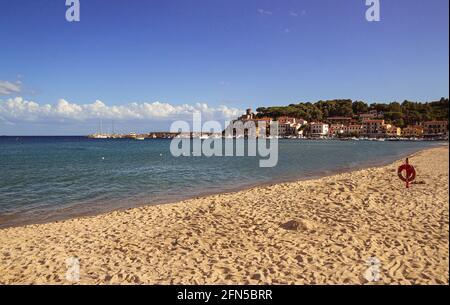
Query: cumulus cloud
x=20 y=110
x=7 y=88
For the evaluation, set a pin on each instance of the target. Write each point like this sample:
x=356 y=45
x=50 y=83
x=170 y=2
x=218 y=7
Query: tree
x=395 y=107
x=359 y=107
x=406 y=113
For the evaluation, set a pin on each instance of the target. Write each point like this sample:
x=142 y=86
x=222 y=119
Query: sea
x=45 y=179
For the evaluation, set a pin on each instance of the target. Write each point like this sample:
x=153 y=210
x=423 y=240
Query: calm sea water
x=50 y=178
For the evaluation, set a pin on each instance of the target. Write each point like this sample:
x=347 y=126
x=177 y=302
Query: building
x=373 y=128
x=286 y=120
x=413 y=131
x=302 y=121
x=282 y=129
x=249 y=115
x=290 y=126
x=319 y=130
x=395 y=131
x=372 y=115
x=354 y=130
x=379 y=129
x=285 y=125
x=435 y=129
x=336 y=130
x=290 y=120
x=262 y=126
x=249 y=125
x=289 y=129
x=390 y=131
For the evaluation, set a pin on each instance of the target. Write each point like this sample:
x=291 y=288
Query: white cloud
x=264 y=12
x=19 y=110
x=297 y=14
x=7 y=88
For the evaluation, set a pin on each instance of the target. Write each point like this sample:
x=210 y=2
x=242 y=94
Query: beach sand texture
x=321 y=231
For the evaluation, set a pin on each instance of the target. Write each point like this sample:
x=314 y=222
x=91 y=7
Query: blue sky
x=226 y=55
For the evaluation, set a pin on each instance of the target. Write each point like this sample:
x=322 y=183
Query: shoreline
x=71 y=213
x=245 y=237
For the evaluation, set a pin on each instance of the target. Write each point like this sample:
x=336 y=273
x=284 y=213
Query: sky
x=144 y=64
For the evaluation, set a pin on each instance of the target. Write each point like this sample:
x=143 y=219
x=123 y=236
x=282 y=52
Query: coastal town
x=371 y=125
x=365 y=126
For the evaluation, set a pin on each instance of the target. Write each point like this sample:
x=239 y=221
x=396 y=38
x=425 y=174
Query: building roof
x=373 y=121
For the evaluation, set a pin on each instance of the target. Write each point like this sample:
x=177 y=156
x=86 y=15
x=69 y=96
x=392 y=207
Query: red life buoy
x=410 y=174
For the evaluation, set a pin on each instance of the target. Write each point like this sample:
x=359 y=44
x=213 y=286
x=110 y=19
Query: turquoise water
x=50 y=178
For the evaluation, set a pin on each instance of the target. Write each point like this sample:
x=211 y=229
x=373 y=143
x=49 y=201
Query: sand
x=323 y=231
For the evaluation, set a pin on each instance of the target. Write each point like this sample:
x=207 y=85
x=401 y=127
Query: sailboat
x=99 y=134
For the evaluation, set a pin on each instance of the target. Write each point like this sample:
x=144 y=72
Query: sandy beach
x=323 y=231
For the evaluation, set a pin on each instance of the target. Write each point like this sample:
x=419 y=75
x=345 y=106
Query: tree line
x=399 y=114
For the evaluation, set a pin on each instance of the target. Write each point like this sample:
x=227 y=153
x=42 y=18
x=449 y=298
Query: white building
x=290 y=126
x=319 y=130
